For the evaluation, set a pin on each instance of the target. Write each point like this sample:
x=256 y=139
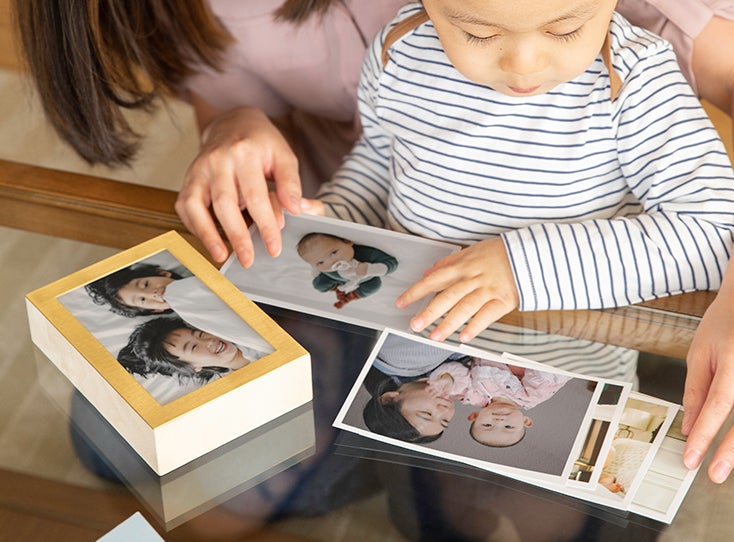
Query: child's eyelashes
x=566 y=36
x=478 y=40
x=484 y=40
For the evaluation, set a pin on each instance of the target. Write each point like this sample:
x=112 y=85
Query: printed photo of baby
x=339 y=270
x=351 y=271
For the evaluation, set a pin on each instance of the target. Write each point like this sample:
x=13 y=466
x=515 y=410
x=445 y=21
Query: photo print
x=165 y=326
x=494 y=413
x=339 y=270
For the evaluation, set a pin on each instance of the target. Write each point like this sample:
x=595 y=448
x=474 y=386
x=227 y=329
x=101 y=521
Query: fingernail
x=399 y=303
x=691 y=459
x=685 y=424
x=435 y=336
x=302 y=204
x=720 y=472
x=219 y=255
x=416 y=324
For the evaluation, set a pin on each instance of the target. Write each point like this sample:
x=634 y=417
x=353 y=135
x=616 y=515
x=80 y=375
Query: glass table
x=66 y=474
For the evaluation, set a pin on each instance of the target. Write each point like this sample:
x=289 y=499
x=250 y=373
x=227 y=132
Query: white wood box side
x=91 y=384
x=215 y=423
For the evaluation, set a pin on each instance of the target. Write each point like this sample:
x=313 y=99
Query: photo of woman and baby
x=165 y=327
x=469 y=407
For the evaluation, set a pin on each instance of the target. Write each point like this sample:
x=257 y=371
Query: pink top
x=487 y=379
x=311 y=68
x=678 y=21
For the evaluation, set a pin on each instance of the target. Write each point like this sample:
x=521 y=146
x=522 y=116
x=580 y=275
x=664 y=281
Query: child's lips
x=524 y=90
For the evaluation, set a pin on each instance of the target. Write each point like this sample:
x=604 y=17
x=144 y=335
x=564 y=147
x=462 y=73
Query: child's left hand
x=313 y=207
x=475 y=284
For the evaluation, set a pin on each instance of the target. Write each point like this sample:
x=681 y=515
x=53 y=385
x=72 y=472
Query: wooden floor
x=33 y=509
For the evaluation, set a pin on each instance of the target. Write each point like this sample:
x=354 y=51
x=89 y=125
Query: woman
x=257 y=127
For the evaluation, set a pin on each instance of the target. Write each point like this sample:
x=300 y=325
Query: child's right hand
x=442 y=384
x=475 y=284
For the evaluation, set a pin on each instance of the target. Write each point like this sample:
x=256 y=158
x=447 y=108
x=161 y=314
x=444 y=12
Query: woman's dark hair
x=91 y=59
x=386 y=419
x=144 y=353
x=105 y=291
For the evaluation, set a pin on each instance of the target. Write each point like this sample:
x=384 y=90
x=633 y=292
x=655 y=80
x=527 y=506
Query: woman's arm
x=709 y=392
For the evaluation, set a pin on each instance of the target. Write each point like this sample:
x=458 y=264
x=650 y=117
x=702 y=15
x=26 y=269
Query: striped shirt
x=599 y=202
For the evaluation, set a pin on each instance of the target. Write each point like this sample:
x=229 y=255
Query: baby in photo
x=503 y=391
x=350 y=270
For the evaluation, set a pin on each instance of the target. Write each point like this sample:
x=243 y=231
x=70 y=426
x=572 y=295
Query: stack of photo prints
x=548 y=424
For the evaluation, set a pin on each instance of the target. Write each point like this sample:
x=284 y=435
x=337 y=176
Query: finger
x=443 y=263
x=287 y=182
x=442 y=304
x=487 y=315
x=698 y=382
x=723 y=460
x=313 y=207
x=225 y=205
x=430 y=283
x=235 y=228
x=254 y=195
x=457 y=316
x=712 y=416
x=195 y=215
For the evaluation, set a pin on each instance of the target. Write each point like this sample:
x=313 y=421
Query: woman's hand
x=476 y=284
x=241 y=151
x=709 y=390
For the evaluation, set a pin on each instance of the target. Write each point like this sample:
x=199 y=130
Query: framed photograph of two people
x=173 y=355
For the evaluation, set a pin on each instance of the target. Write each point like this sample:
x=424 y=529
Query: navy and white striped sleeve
x=358 y=191
x=677 y=167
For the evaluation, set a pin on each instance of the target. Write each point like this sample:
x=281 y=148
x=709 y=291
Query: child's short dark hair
x=105 y=291
x=144 y=353
x=388 y=421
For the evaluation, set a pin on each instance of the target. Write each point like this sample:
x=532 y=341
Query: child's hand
x=476 y=284
x=442 y=384
x=313 y=207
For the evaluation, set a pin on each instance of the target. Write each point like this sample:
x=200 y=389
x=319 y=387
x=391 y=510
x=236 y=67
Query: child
x=561 y=143
x=503 y=391
x=170 y=346
x=352 y=271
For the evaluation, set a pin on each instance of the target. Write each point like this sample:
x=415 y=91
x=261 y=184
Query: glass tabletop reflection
x=298 y=474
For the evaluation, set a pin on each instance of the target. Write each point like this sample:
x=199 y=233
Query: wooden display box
x=254 y=371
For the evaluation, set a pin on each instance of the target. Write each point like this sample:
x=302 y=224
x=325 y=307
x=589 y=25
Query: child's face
x=423 y=408
x=499 y=424
x=146 y=292
x=201 y=349
x=323 y=252
x=523 y=47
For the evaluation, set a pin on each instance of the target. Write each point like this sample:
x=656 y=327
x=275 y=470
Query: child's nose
x=525 y=57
